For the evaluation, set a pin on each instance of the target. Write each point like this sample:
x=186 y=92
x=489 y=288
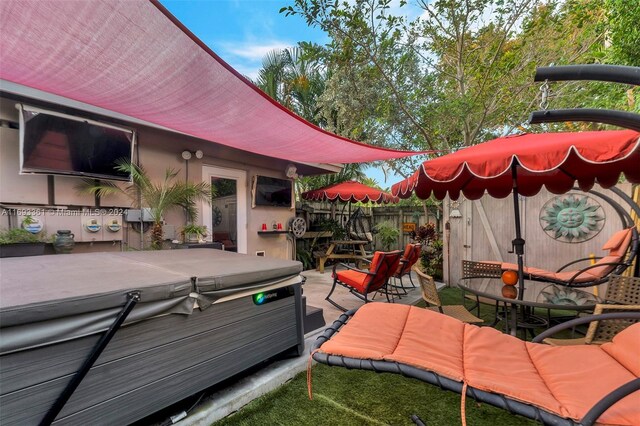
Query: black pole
x=627 y=120
x=597 y=72
x=132 y=299
x=518 y=242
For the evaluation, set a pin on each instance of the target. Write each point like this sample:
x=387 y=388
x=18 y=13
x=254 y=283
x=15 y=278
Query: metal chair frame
x=389 y=259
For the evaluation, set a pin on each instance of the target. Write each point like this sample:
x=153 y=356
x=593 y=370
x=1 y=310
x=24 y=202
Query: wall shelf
x=272 y=232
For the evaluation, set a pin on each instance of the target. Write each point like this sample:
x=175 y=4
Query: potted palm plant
x=157 y=197
x=18 y=242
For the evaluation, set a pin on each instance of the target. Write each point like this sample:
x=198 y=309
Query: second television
x=269 y=191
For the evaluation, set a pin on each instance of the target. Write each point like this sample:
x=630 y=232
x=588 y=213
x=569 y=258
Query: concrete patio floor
x=318 y=286
x=231 y=399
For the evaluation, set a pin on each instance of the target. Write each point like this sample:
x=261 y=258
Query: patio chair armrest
x=584 y=320
x=577 y=261
x=570 y=283
x=364 y=271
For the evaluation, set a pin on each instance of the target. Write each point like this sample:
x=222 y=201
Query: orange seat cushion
x=372 y=333
x=589 y=275
x=566 y=381
x=441 y=351
x=357 y=280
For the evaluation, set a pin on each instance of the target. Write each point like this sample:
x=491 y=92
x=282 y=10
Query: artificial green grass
x=357 y=397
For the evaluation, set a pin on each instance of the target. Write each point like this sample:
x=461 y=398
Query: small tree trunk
x=156 y=236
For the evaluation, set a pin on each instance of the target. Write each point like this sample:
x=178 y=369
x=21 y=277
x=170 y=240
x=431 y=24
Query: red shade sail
x=351 y=191
x=555 y=160
x=134 y=58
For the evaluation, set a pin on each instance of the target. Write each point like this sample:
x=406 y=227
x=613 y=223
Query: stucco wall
x=158 y=150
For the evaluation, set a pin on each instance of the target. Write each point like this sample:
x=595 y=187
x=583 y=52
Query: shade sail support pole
x=518 y=242
x=132 y=299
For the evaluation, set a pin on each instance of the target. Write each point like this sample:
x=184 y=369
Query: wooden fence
x=402 y=218
x=484 y=229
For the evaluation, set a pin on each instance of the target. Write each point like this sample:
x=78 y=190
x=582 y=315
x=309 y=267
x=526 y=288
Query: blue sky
x=241 y=32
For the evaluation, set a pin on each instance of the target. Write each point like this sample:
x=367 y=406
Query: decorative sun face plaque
x=572 y=218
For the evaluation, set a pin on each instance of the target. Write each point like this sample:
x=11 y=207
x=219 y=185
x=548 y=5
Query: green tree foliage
x=352 y=171
x=460 y=71
x=294 y=79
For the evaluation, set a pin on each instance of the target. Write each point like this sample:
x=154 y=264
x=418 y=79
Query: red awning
x=555 y=160
x=350 y=192
x=134 y=58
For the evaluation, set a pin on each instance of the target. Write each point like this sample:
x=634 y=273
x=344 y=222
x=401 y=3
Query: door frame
x=240 y=176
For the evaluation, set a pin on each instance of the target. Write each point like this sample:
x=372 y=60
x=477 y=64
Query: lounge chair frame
x=478 y=269
x=497 y=400
x=475 y=269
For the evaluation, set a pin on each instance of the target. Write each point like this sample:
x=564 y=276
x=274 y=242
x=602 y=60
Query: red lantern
x=509 y=291
x=510 y=277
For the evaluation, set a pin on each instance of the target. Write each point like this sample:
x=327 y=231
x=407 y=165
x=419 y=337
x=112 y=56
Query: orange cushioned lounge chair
x=622 y=242
x=554 y=385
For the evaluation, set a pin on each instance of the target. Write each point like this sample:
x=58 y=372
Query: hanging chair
x=621 y=248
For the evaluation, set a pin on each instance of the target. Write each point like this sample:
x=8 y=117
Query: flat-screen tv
x=60 y=144
x=268 y=191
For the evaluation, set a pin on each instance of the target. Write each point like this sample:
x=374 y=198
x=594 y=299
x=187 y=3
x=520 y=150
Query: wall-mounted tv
x=61 y=144
x=268 y=191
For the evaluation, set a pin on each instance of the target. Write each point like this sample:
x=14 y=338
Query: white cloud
x=247 y=71
x=254 y=52
x=246 y=56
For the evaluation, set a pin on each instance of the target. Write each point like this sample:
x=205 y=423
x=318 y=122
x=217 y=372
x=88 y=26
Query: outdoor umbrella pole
x=518 y=242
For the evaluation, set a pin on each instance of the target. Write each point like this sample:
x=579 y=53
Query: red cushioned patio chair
x=363 y=282
x=409 y=258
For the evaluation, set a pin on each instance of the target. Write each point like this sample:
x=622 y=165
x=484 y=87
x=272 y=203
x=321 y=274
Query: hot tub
x=202 y=316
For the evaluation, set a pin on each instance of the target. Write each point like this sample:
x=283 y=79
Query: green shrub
x=303 y=256
x=18 y=235
x=431 y=256
x=332 y=225
x=388 y=234
x=432 y=259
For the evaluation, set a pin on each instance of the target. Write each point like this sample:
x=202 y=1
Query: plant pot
x=21 y=249
x=191 y=238
x=64 y=242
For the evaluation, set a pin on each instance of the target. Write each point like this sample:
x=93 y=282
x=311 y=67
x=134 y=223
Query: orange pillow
x=624 y=348
x=616 y=239
x=374 y=262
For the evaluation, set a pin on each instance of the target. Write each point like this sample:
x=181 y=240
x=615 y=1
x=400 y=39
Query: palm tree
x=293 y=79
x=158 y=197
x=296 y=80
x=271 y=75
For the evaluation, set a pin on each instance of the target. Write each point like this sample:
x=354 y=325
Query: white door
x=228 y=210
